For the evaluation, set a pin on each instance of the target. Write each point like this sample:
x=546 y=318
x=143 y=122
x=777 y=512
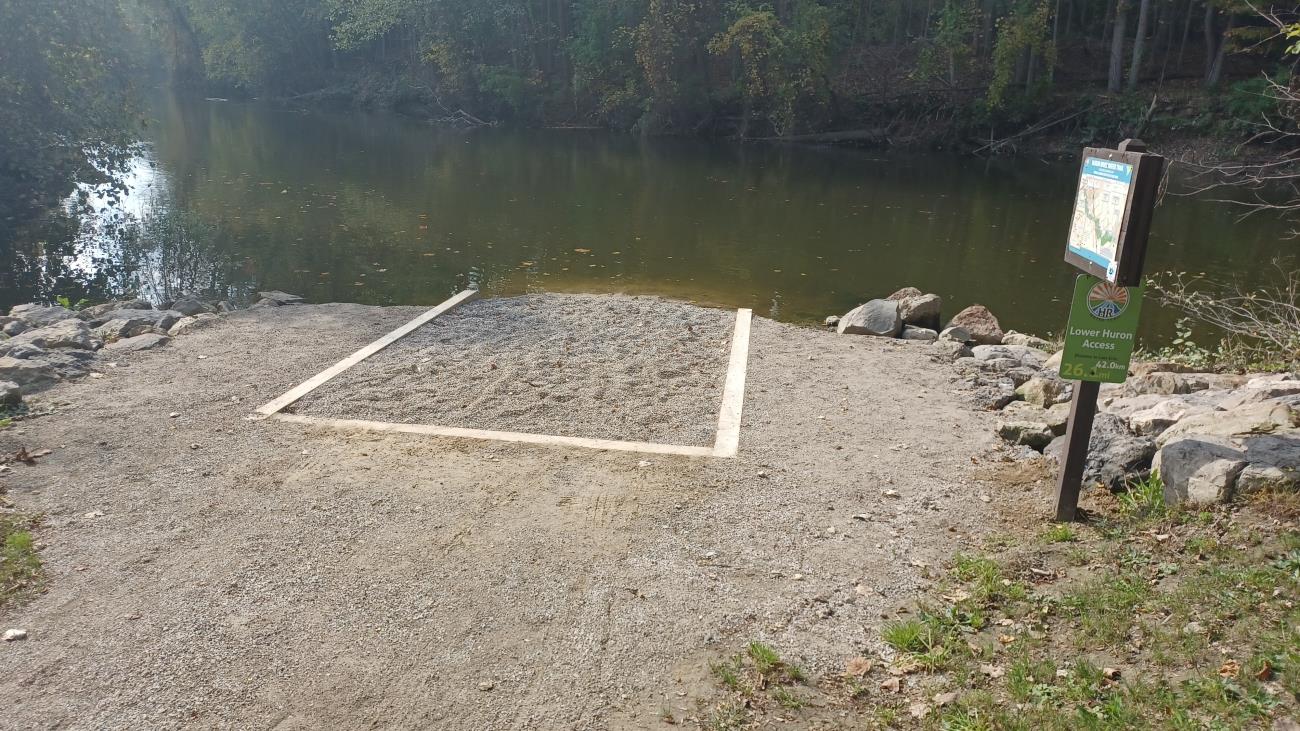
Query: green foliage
x=20 y=567
x=952 y=45
x=1023 y=43
x=1144 y=498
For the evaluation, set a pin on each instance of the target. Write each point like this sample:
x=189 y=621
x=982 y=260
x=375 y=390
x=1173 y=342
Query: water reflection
x=385 y=210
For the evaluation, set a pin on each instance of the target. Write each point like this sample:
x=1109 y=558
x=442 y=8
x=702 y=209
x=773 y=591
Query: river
x=383 y=209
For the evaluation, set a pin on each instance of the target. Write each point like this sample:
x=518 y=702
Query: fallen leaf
x=1110 y=673
x=1265 y=673
x=1230 y=669
x=945 y=699
x=1006 y=639
x=993 y=671
x=858 y=667
x=957 y=596
x=919 y=710
x=893 y=685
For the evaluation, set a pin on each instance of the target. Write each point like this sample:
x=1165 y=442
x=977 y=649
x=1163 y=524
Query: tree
x=1139 y=41
x=1115 y=79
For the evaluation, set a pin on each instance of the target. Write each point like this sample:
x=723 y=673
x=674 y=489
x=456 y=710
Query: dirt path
x=249 y=574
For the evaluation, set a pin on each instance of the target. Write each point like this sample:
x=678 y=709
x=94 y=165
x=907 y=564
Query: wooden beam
x=324 y=376
x=727 y=443
x=500 y=436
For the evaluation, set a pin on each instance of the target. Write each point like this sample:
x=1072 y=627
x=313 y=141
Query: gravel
x=605 y=367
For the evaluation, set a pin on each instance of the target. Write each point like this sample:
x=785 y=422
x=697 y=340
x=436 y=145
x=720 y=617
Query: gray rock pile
x=41 y=345
x=908 y=314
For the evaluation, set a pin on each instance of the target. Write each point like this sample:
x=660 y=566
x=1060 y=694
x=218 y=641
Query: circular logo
x=1107 y=301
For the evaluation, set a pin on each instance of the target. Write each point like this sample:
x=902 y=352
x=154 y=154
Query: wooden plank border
x=726 y=442
x=320 y=379
x=499 y=436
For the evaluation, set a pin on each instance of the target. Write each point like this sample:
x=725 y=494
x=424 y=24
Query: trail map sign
x=1112 y=213
x=1099 y=212
x=1103 y=327
x=1108 y=241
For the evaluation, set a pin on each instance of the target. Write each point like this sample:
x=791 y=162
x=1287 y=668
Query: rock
x=263 y=303
x=1018 y=355
x=1199 y=470
x=905 y=293
x=1149 y=367
x=1115 y=455
x=282 y=298
x=1155 y=420
x=1031 y=434
x=1057 y=418
x=1053 y=362
x=148 y=341
x=981 y=324
x=831 y=320
x=190 y=324
x=1257 y=478
x=23 y=351
x=918 y=333
x=14 y=327
x=921 y=310
x=1264 y=418
x=1029 y=341
x=14 y=635
x=40 y=315
x=72 y=333
x=190 y=306
x=952 y=350
x=1167 y=384
x=877 y=317
x=27 y=373
x=94 y=313
x=1260 y=392
x=955 y=334
x=1024 y=411
x=1020 y=374
x=10 y=394
x=1043 y=390
x=129 y=323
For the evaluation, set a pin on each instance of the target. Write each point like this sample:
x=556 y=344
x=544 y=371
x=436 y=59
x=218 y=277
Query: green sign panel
x=1103 y=327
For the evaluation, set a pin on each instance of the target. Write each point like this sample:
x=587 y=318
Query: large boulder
x=1053 y=362
x=129 y=323
x=921 y=310
x=1018 y=354
x=1163 y=384
x=951 y=350
x=1205 y=469
x=1044 y=390
x=11 y=394
x=41 y=315
x=982 y=325
x=1115 y=455
x=1264 y=418
x=14 y=326
x=190 y=324
x=27 y=373
x=1014 y=338
x=148 y=341
x=71 y=333
x=877 y=317
x=190 y=306
x=956 y=335
x=911 y=332
x=94 y=313
x=1255 y=392
x=1154 y=421
x=1035 y=435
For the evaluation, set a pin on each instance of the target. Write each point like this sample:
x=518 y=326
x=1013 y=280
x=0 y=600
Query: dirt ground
x=211 y=571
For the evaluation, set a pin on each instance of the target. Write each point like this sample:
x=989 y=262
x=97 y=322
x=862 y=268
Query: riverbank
x=202 y=569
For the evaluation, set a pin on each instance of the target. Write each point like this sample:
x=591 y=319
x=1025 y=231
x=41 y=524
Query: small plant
x=787 y=699
x=1144 y=498
x=910 y=635
x=765 y=658
x=67 y=303
x=1060 y=533
x=20 y=567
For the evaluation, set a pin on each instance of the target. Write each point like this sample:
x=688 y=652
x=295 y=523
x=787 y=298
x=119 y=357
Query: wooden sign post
x=1108 y=241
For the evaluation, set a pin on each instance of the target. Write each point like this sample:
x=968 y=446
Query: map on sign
x=1099 y=212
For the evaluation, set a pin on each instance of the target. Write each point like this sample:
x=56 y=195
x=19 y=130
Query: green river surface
x=386 y=210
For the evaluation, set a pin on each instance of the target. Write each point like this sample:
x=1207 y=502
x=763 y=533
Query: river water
x=386 y=210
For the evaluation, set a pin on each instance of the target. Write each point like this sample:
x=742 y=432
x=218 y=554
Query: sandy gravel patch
x=626 y=368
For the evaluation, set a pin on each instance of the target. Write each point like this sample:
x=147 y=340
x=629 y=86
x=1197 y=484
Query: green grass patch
x=20 y=567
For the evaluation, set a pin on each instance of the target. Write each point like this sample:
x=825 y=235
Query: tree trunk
x=1115 y=80
x=1208 y=29
x=1187 y=29
x=1139 y=42
x=1215 y=74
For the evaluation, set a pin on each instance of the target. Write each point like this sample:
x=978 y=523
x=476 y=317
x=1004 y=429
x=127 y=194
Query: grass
x=1145 y=618
x=20 y=567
